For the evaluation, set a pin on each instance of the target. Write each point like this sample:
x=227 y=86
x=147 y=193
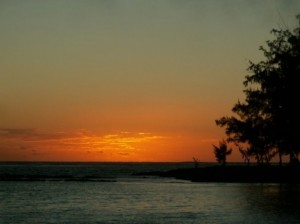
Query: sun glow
x=80 y=146
x=84 y=145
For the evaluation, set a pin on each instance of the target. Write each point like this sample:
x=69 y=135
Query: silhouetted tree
x=245 y=154
x=196 y=162
x=221 y=152
x=251 y=129
x=269 y=119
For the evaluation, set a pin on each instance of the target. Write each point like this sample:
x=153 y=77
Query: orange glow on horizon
x=35 y=145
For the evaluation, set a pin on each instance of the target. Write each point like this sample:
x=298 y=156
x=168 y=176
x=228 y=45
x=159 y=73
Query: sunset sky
x=126 y=80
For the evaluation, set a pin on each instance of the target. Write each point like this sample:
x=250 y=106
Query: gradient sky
x=126 y=80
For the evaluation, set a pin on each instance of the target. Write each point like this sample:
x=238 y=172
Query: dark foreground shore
x=234 y=174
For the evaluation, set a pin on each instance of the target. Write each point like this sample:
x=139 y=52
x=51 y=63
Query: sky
x=126 y=80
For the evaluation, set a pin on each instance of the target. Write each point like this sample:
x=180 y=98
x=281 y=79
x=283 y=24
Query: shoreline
x=234 y=174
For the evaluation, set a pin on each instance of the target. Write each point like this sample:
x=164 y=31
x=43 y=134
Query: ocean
x=110 y=193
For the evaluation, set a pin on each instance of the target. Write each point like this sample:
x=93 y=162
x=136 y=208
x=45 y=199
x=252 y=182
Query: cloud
x=82 y=141
x=121 y=143
x=15 y=133
x=31 y=134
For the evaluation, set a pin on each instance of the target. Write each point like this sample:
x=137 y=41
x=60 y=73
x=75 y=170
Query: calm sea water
x=108 y=193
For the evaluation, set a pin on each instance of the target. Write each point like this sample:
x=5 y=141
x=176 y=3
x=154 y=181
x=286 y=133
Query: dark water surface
x=131 y=199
